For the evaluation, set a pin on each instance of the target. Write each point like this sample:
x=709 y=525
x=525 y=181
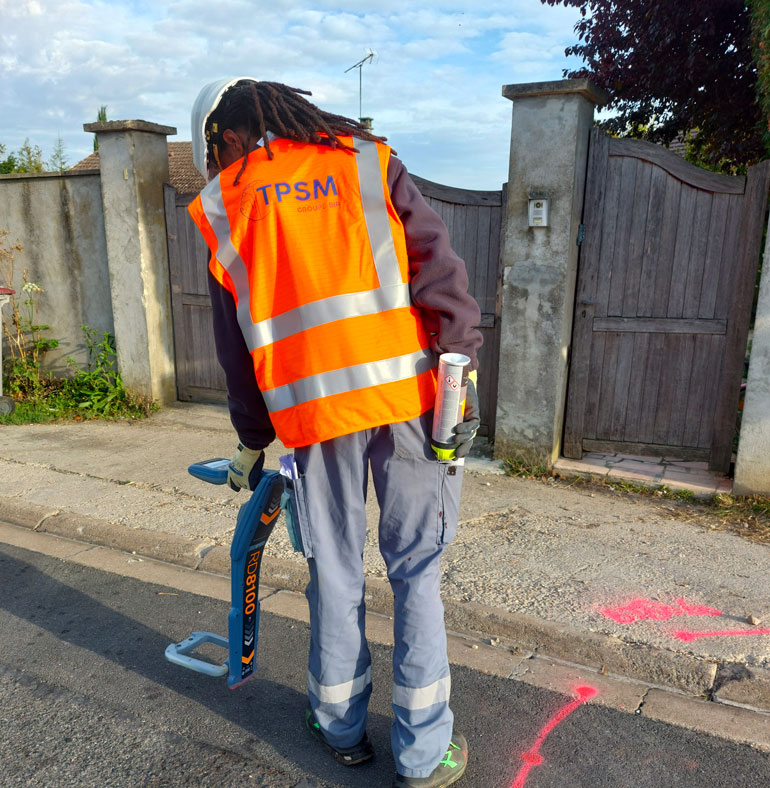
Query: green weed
x=91 y=392
x=527 y=465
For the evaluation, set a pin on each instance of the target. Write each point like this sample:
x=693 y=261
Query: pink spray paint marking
x=533 y=757
x=688 y=637
x=643 y=609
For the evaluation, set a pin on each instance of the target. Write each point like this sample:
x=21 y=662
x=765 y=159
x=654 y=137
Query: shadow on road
x=127 y=625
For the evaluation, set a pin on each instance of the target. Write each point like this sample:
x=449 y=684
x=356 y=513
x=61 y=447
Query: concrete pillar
x=549 y=152
x=133 y=160
x=752 y=466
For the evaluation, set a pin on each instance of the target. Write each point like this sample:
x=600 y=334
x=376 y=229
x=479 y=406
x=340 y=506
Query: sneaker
x=449 y=771
x=347 y=756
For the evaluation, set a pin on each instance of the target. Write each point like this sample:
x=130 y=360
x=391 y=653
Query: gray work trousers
x=418 y=499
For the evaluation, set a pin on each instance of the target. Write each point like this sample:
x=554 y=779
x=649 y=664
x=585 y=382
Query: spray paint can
x=448 y=412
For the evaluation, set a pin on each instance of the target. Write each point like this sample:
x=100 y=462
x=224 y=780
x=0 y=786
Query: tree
x=101 y=116
x=676 y=68
x=58 y=160
x=29 y=158
x=760 y=40
x=7 y=163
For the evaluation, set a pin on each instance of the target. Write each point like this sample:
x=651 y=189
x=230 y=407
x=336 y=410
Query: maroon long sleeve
x=438 y=280
x=439 y=287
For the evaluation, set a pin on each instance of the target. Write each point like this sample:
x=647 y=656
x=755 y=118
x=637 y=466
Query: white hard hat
x=204 y=105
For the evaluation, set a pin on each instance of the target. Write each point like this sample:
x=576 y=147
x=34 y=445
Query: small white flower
x=31 y=287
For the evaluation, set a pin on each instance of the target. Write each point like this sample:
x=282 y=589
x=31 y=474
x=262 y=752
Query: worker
x=333 y=288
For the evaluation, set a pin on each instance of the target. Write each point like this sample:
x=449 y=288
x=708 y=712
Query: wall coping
x=109 y=126
x=7 y=176
x=584 y=87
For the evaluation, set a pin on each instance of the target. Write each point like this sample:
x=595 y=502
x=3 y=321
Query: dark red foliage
x=675 y=67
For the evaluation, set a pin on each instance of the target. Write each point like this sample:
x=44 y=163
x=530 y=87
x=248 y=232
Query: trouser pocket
x=295 y=511
x=450 y=486
x=411 y=439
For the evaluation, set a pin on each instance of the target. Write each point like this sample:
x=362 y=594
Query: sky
x=433 y=87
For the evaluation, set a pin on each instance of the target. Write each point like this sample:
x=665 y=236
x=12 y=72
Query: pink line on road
x=688 y=637
x=533 y=757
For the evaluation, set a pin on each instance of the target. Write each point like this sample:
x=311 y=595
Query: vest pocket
x=294 y=508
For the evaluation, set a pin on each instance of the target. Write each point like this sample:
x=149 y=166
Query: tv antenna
x=368 y=59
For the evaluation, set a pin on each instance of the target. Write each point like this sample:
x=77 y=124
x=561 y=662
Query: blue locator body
x=254 y=525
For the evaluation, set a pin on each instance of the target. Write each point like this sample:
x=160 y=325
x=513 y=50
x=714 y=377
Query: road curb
x=495 y=659
x=742 y=686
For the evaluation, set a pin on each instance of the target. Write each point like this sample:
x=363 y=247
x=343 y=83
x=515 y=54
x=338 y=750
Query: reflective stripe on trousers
x=418 y=516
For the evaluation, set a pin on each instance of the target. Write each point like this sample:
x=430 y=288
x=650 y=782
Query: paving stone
x=641 y=458
x=686 y=465
x=716 y=719
x=597 y=460
x=645 y=477
x=640 y=465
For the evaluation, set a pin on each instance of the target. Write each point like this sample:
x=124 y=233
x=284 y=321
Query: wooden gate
x=199 y=378
x=473 y=219
x=665 y=285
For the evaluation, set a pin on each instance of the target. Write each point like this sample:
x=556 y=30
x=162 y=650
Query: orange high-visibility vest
x=314 y=253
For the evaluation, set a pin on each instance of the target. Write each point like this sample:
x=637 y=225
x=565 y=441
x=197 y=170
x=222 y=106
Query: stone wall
x=58 y=220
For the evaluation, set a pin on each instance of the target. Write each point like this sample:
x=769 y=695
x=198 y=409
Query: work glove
x=245 y=468
x=465 y=431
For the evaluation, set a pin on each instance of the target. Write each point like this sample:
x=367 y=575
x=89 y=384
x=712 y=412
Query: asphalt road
x=87 y=699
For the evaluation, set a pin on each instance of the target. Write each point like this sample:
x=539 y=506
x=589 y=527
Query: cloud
x=434 y=86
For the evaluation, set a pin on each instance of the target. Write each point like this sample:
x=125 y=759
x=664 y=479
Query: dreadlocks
x=260 y=107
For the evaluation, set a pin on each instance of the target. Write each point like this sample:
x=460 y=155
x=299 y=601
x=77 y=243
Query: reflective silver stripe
x=376 y=213
x=214 y=208
x=360 y=376
x=412 y=698
x=392 y=294
x=317 y=313
x=338 y=693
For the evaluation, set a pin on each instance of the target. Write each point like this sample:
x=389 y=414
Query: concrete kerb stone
x=739 y=725
x=152 y=544
x=744 y=686
x=25 y=514
x=595 y=650
x=734 y=685
x=603 y=652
